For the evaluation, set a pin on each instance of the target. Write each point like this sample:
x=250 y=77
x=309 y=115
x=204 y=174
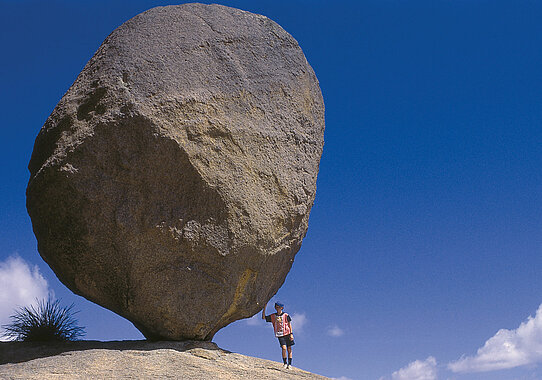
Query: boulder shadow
x=18 y=352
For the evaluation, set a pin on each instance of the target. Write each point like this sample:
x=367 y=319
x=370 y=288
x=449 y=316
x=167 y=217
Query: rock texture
x=173 y=182
x=136 y=360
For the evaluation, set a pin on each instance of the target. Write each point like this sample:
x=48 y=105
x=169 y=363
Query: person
x=283 y=331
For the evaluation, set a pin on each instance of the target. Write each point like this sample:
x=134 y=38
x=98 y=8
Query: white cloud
x=507 y=349
x=418 y=370
x=20 y=285
x=335 y=331
x=342 y=378
x=255 y=320
x=298 y=322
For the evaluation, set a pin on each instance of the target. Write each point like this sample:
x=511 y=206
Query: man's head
x=279 y=306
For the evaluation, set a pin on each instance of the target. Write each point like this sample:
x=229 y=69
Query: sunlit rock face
x=173 y=182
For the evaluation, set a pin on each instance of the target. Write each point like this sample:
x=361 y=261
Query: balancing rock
x=172 y=183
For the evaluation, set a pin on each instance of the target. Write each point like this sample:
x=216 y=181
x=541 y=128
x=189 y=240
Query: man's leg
x=289 y=356
x=284 y=354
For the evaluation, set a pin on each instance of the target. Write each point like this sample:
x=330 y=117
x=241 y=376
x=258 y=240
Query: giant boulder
x=172 y=183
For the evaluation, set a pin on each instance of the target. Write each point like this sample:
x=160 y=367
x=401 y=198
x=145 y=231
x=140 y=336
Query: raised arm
x=263 y=311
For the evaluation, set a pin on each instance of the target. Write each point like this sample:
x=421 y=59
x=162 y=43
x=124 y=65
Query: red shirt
x=280 y=323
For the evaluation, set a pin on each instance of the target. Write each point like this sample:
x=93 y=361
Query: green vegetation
x=48 y=321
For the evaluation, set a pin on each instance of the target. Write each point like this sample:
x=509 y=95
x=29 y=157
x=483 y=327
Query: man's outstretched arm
x=263 y=311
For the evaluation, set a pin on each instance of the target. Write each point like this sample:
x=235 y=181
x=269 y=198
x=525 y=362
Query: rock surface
x=173 y=182
x=136 y=360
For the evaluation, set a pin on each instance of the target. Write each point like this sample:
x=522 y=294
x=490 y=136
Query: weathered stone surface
x=173 y=182
x=136 y=360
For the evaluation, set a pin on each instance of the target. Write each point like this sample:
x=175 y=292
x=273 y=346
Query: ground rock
x=173 y=182
x=136 y=360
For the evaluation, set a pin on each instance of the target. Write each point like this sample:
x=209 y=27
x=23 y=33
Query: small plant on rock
x=46 y=322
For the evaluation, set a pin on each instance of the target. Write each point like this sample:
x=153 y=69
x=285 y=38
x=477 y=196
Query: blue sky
x=425 y=238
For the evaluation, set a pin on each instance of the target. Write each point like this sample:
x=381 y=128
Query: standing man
x=283 y=331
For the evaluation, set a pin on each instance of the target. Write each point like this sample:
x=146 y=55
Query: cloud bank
x=20 y=285
x=335 y=331
x=298 y=322
x=418 y=370
x=507 y=349
x=255 y=320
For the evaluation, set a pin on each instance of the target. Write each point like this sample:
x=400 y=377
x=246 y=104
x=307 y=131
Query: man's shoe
x=289 y=366
x=285 y=366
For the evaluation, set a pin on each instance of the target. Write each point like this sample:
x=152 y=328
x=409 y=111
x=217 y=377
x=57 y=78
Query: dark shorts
x=286 y=341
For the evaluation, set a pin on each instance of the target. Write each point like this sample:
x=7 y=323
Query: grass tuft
x=48 y=321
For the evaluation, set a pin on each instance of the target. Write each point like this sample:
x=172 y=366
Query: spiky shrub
x=47 y=321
